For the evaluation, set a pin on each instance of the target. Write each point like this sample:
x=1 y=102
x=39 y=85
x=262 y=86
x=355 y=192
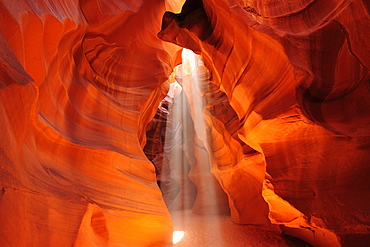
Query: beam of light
x=177 y=236
x=192 y=146
x=190 y=62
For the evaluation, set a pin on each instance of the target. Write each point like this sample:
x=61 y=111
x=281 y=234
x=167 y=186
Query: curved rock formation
x=308 y=99
x=75 y=104
x=285 y=104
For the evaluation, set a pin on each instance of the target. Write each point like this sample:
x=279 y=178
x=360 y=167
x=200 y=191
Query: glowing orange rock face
x=72 y=168
x=278 y=64
x=286 y=111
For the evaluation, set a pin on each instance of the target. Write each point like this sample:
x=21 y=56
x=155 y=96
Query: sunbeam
x=189 y=150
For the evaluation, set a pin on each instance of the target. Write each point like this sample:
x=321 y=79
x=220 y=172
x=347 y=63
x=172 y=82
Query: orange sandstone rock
x=284 y=103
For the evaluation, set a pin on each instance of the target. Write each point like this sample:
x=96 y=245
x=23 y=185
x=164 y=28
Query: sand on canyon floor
x=220 y=231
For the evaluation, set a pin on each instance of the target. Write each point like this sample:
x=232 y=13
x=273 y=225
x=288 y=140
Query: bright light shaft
x=187 y=144
x=191 y=86
x=194 y=80
x=177 y=236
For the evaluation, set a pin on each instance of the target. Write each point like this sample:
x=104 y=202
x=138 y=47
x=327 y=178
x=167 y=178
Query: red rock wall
x=78 y=85
x=286 y=111
x=297 y=78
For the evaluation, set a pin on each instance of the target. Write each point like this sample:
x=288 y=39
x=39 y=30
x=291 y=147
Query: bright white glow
x=175 y=89
x=189 y=61
x=177 y=236
x=187 y=148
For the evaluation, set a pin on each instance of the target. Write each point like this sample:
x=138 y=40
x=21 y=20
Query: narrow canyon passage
x=239 y=122
x=179 y=146
x=177 y=143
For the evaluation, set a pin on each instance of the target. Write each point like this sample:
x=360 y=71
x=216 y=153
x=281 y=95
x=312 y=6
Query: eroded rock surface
x=292 y=77
x=284 y=103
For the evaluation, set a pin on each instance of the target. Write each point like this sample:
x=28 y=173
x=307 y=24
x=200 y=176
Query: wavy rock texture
x=286 y=111
x=296 y=75
x=78 y=85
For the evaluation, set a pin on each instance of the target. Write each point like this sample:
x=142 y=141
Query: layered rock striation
x=284 y=102
x=78 y=85
x=307 y=98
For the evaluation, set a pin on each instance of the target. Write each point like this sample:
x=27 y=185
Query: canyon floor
x=220 y=231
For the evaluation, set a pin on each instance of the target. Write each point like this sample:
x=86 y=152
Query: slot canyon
x=239 y=122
